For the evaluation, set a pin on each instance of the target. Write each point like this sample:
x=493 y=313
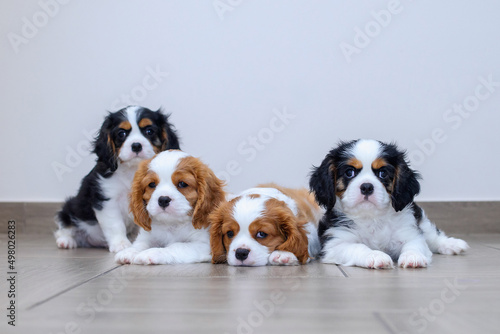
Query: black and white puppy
x=371 y=220
x=98 y=216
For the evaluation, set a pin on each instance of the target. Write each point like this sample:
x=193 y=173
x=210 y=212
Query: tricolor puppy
x=266 y=225
x=98 y=215
x=171 y=198
x=371 y=220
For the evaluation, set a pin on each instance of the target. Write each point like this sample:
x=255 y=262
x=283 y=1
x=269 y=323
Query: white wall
x=229 y=72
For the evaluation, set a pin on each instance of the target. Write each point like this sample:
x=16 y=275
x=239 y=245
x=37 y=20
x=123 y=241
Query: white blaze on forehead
x=366 y=151
x=246 y=210
x=272 y=193
x=165 y=164
x=132 y=117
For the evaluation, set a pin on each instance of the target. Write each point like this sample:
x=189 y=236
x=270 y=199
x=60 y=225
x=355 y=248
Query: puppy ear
x=137 y=202
x=322 y=183
x=216 y=219
x=406 y=185
x=210 y=195
x=296 y=238
x=104 y=146
x=169 y=137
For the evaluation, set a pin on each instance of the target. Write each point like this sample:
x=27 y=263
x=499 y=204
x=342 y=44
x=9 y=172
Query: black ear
x=322 y=183
x=406 y=185
x=104 y=146
x=170 y=140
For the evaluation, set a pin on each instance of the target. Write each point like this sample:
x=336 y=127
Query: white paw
x=149 y=256
x=452 y=246
x=412 y=259
x=116 y=246
x=283 y=258
x=126 y=256
x=66 y=242
x=378 y=260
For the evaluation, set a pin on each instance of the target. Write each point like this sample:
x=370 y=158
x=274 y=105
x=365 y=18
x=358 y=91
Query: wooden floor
x=84 y=291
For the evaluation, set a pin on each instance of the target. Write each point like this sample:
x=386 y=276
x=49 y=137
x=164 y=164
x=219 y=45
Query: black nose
x=367 y=189
x=242 y=253
x=163 y=201
x=136 y=147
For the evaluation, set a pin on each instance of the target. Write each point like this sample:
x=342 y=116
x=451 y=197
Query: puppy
x=98 y=215
x=367 y=189
x=266 y=225
x=171 y=198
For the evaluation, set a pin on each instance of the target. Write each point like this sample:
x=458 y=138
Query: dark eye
x=260 y=235
x=382 y=173
x=122 y=134
x=149 y=132
x=182 y=184
x=350 y=173
x=230 y=234
x=152 y=185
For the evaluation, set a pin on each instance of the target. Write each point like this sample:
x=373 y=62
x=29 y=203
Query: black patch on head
x=161 y=133
x=323 y=181
x=405 y=185
x=108 y=140
x=332 y=219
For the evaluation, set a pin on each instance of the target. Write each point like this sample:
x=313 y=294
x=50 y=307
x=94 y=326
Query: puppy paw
x=412 y=259
x=66 y=242
x=452 y=246
x=283 y=258
x=116 y=246
x=126 y=256
x=149 y=256
x=378 y=260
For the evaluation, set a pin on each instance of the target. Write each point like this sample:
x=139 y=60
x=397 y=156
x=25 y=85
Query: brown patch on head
x=125 y=125
x=353 y=162
x=221 y=222
x=112 y=145
x=254 y=196
x=340 y=188
x=379 y=163
x=145 y=122
x=203 y=190
x=284 y=231
x=140 y=194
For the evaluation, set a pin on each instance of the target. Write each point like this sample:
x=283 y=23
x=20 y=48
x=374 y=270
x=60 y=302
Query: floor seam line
x=379 y=317
x=342 y=271
x=69 y=289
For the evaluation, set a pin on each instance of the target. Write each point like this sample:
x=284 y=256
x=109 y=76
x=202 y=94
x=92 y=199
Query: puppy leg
x=415 y=254
x=113 y=227
x=355 y=254
x=179 y=252
x=65 y=238
x=140 y=244
x=438 y=242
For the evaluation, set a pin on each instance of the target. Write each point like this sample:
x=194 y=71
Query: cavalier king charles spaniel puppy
x=371 y=219
x=171 y=198
x=98 y=215
x=266 y=225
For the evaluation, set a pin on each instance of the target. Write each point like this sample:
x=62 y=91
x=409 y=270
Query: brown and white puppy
x=266 y=225
x=171 y=198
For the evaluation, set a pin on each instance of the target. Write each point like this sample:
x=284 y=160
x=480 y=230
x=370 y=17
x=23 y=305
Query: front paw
x=378 y=260
x=452 y=246
x=412 y=259
x=283 y=258
x=126 y=256
x=118 y=245
x=66 y=242
x=149 y=256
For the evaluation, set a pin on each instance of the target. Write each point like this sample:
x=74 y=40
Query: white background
x=230 y=70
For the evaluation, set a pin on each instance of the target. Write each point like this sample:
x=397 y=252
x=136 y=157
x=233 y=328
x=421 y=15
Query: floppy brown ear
x=210 y=195
x=216 y=218
x=296 y=238
x=137 y=201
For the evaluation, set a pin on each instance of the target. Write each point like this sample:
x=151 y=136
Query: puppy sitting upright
x=367 y=189
x=266 y=225
x=171 y=198
x=98 y=215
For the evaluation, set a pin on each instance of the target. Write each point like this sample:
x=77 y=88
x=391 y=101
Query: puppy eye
x=152 y=185
x=382 y=173
x=122 y=134
x=350 y=173
x=182 y=184
x=230 y=234
x=149 y=132
x=261 y=235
